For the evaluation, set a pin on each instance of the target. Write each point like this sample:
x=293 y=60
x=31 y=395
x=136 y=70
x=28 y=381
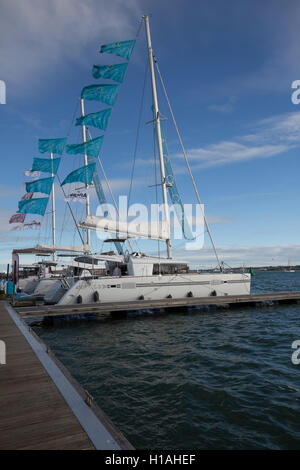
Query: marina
x=150 y=266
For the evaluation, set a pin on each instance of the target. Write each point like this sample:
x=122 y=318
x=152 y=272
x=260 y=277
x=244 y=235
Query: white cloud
x=232 y=152
x=271 y=136
x=37 y=36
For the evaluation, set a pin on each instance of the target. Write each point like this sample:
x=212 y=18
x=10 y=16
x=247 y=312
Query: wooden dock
x=41 y=405
x=264 y=299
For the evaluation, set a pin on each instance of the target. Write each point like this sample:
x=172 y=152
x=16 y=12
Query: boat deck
x=41 y=405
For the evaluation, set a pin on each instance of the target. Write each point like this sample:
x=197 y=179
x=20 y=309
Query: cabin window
x=170 y=268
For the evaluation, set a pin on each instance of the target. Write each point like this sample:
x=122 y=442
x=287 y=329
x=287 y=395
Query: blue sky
x=228 y=68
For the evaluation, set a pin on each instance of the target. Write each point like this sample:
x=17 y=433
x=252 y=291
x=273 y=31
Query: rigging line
x=73 y=118
x=105 y=177
x=138 y=132
x=108 y=185
x=187 y=164
x=63 y=225
x=139 y=28
x=68 y=133
x=82 y=241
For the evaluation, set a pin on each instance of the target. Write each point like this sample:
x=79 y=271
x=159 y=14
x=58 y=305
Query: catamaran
x=129 y=275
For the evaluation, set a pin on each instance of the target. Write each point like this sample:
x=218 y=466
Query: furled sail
x=92 y=147
x=52 y=145
x=113 y=72
x=122 y=49
x=83 y=174
x=43 y=185
x=48 y=249
x=105 y=93
x=33 y=206
x=75 y=248
x=99 y=120
x=154 y=230
x=47 y=165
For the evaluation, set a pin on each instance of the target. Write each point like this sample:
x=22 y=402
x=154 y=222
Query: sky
x=228 y=69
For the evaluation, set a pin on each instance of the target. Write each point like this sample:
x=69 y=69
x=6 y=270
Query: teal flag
x=105 y=93
x=99 y=120
x=33 y=206
x=112 y=72
x=47 y=165
x=43 y=185
x=52 y=145
x=122 y=49
x=83 y=174
x=92 y=147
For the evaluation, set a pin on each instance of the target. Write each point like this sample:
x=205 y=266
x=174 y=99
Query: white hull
x=28 y=285
x=130 y=288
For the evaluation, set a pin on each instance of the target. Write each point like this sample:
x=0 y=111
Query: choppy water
x=201 y=380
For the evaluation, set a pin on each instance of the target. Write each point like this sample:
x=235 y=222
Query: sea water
x=216 y=379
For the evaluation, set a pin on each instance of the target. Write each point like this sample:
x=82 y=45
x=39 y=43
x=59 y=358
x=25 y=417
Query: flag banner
x=43 y=185
x=99 y=120
x=113 y=72
x=83 y=174
x=33 y=206
x=46 y=165
x=34 y=225
x=77 y=196
x=174 y=193
x=105 y=93
x=27 y=196
x=122 y=49
x=17 y=219
x=32 y=174
x=52 y=145
x=92 y=147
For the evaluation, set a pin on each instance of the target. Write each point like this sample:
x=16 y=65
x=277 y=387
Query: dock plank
x=33 y=412
x=54 y=310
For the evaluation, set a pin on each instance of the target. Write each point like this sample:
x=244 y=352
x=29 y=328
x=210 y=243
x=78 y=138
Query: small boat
x=289 y=269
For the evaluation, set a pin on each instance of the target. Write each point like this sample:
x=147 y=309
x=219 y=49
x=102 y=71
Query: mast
x=158 y=132
x=53 y=209
x=88 y=239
